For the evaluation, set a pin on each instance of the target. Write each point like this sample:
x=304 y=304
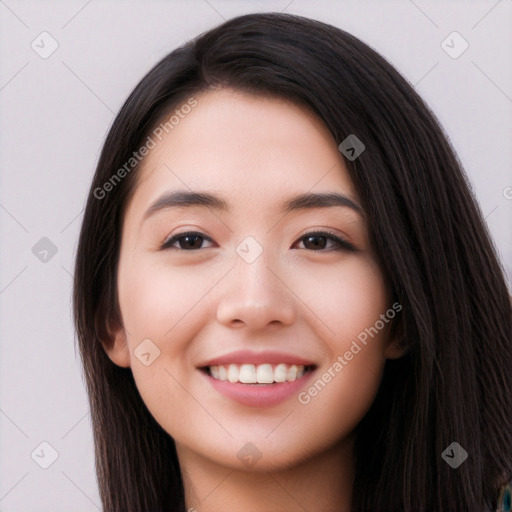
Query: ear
x=117 y=347
x=395 y=349
x=397 y=344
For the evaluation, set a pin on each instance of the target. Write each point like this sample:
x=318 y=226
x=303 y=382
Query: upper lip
x=249 y=357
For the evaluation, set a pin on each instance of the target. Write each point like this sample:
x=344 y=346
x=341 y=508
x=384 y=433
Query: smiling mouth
x=258 y=374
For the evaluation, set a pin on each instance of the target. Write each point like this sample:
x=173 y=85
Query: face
x=251 y=316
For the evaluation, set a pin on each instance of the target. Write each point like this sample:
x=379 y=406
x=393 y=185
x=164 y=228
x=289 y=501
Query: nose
x=254 y=295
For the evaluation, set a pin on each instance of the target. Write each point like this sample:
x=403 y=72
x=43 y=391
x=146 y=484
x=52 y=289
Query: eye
x=318 y=241
x=315 y=241
x=188 y=241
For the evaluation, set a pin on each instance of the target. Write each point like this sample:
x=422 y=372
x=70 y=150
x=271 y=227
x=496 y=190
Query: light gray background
x=55 y=113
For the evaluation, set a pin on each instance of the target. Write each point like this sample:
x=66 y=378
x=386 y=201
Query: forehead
x=250 y=149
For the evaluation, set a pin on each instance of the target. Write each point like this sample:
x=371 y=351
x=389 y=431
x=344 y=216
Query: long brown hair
x=454 y=384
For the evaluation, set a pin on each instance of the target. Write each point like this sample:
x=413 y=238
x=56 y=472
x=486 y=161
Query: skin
x=198 y=304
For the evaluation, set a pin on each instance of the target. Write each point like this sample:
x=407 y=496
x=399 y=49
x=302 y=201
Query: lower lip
x=259 y=395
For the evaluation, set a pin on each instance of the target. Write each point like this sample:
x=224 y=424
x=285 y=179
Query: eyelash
x=343 y=245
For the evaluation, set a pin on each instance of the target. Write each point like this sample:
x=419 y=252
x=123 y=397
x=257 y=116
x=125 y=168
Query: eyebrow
x=306 y=201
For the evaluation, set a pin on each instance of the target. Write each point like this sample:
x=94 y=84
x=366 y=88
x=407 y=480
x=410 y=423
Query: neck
x=322 y=483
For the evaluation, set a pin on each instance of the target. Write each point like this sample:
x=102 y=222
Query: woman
x=285 y=295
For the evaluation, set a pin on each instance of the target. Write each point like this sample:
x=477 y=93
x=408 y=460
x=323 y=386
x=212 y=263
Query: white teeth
x=280 y=373
x=247 y=374
x=233 y=373
x=291 y=375
x=260 y=374
x=223 y=374
x=264 y=374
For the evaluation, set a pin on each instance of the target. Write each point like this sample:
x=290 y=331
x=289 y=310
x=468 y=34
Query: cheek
x=348 y=297
x=350 y=302
x=166 y=306
x=337 y=400
x=156 y=299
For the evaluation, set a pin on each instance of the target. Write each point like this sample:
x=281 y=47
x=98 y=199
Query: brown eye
x=318 y=241
x=189 y=241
